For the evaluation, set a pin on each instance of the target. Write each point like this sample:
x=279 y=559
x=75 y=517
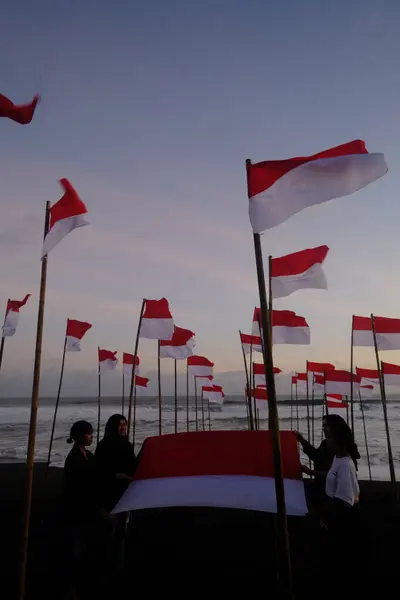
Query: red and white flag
x=339 y=382
x=250 y=343
x=279 y=189
x=320 y=368
x=368 y=375
x=298 y=271
x=289 y=328
x=127 y=364
x=20 y=113
x=336 y=404
x=107 y=360
x=391 y=374
x=260 y=395
x=141 y=382
x=65 y=215
x=74 y=334
x=213 y=393
x=303 y=378
x=387 y=332
x=294 y=379
x=211 y=468
x=200 y=366
x=366 y=391
x=12 y=316
x=259 y=373
x=180 y=346
x=157 y=322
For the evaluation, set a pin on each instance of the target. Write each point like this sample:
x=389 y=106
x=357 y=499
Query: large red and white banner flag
x=157 y=322
x=65 y=215
x=287 y=327
x=391 y=374
x=387 y=332
x=12 y=316
x=259 y=373
x=210 y=468
x=298 y=271
x=214 y=394
x=127 y=364
x=107 y=360
x=180 y=346
x=200 y=366
x=279 y=189
x=74 y=334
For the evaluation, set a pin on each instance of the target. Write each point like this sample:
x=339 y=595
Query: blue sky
x=150 y=109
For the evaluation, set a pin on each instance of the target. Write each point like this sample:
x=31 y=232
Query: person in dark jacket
x=115 y=462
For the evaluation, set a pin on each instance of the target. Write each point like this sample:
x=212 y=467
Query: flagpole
x=209 y=416
x=202 y=408
x=33 y=418
x=248 y=394
x=57 y=403
x=195 y=400
x=187 y=396
x=123 y=391
x=134 y=416
x=176 y=394
x=98 y=397
x=132 y=383
x=351 y=371
x=270 y=295
x=159 y=389
x=291 y=402
x=365 y=435
x=2 y=337
x=284 y=563
x=384 y=407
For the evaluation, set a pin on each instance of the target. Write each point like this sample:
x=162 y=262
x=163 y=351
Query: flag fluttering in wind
x=141 y=382
x=336 y=404
x=391 y=374
x=200 y=366
x=260 y=395
x=279 y=189
x=65 y=215
x=127 y=364
x=74 y=334
x=289 y=328
x=387 y=332
x=20 y=113
x=214 y=394
x=320 y=368
x=107 y=360
x=259 y=373
x=180 y=346
x=210 y=468
x=298 y=271
x=251 y=343
x=157 y=322
x=366 y=391
x=12 y=316
x=368 y=375
x=339 y=382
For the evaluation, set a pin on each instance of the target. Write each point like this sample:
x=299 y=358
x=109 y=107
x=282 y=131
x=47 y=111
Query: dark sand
x=192 y=551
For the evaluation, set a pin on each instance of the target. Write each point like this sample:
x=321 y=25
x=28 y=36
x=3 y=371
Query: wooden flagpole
x=365 y=435
x=123 y=390
x=195 y=400
x=33 y=419
x=351 y=371
x=384 y=407
x=248 y=393
x=98 y=397
x=133 y=374
x=187 y=396
x=176 y=394
x=2 y=337
x=159 y=388
x=284 y=562
x=57 y=403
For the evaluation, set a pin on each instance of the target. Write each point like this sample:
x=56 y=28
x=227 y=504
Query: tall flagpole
x=33 y=418
x=159 y=389
x=98 y=396
x=284 y=563
x=3 y=338
x=176 y=394
x=57 y=404
x=132 y=383
x=187 y=396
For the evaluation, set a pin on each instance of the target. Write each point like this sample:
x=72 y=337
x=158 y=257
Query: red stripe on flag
x=298 y=262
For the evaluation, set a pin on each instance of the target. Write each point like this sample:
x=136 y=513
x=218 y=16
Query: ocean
x=15 y=413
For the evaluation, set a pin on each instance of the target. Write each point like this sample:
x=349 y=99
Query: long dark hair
x=78 y=430
x=111 y=430
x=343 y=435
